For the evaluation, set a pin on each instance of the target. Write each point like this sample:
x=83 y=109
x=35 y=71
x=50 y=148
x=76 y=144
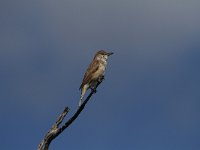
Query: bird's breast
x=100 y=71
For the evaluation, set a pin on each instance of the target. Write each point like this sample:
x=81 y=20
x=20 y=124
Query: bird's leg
x=95 y=84
x=101 y=78
x=93 y=89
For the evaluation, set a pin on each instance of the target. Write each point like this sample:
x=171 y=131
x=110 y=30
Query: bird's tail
x=83 y=91
x=80 y=102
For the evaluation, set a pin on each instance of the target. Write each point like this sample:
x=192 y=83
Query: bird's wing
x=93 y=67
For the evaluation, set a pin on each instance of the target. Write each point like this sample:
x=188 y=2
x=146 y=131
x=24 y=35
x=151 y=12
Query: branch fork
x=57 y=129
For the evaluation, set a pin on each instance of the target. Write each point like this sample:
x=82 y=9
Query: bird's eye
x=105 y=56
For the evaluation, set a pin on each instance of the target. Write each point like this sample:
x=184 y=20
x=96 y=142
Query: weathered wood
x=53 y=132
x=56 y=130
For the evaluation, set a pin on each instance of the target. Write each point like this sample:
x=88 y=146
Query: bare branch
x=56 y=130
x=44 y=145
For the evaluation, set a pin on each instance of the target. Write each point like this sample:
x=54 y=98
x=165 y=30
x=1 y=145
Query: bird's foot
x=93 y=89
x=101 y=78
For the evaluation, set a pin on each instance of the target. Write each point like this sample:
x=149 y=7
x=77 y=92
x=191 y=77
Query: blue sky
x=150 y=98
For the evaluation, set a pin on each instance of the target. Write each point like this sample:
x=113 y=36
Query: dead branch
x=56 y=130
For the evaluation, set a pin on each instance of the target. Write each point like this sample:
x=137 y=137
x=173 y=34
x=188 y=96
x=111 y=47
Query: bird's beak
x=110 y=53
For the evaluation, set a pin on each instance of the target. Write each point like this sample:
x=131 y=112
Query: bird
x=94 y=73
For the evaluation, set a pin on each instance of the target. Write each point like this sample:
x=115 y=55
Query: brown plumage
x=94 y=72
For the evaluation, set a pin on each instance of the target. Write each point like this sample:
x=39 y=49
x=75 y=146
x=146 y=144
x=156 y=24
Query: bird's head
x=102 y=54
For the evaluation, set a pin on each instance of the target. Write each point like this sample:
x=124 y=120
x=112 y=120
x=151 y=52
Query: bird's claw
x=101 y=78
x=94 y=90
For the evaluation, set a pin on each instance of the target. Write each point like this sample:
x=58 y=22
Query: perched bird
x=94 y=73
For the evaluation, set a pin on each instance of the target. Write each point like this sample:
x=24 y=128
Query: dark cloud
x=150 y=96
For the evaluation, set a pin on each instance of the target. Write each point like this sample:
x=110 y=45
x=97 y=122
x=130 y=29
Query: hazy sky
x=150 y=99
